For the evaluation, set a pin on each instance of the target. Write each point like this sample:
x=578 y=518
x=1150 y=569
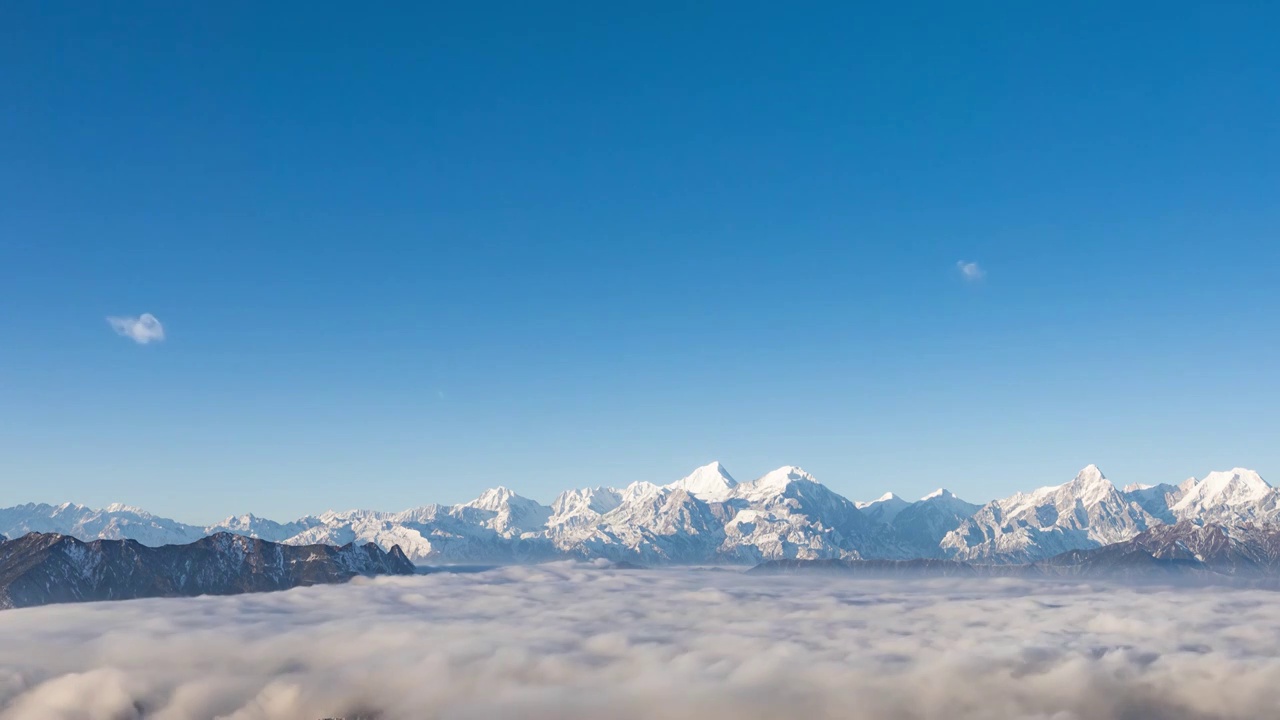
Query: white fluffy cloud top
x=970 y=271
x=575 y=641
x=143 y=329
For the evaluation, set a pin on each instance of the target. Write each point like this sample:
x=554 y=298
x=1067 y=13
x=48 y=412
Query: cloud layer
x=142 y=329
x=575 y=641
x=971 y=271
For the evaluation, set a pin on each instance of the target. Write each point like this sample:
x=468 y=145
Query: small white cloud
x=971 y=271
x=142 y=329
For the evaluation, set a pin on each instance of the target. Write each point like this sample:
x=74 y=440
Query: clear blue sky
x=403 y=254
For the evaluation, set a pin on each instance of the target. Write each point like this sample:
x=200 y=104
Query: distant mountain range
x=709 y=517
x=40 y=568
x=1184 y=550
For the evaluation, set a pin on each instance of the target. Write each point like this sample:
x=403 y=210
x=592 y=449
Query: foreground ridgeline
x=38 y=569
x=708 y=517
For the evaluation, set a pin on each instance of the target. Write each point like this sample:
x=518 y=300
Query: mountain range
x=1245 y=552
x=708 y=517
x=42 y=568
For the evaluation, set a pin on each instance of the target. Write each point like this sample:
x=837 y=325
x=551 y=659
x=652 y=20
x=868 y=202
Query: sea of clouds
x=567 y=641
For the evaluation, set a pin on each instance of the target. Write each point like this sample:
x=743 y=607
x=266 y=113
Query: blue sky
x=404 y=254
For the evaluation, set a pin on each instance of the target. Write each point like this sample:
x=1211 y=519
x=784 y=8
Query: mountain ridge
x=708 y=517
x=42 y=568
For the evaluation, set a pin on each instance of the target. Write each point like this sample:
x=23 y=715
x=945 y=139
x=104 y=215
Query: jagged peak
x=1243 y=475
x=639 y=490
x=1089 y=482
x=598 y=499
x=495 y=498
x=1090 y=474
x=939 y=493
x=242 y=519
x=782 y=477
x=123 y=508
x=889 y=497
x=1224 y=487
x=711 y=481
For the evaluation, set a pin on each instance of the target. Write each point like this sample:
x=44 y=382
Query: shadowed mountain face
x=39 y=569
x=1238 y=550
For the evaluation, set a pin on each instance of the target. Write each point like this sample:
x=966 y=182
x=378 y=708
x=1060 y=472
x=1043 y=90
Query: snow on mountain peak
x=888 y=497
x=1090 y=474
x=1229 y=488
x=709 y=482
x=639 y=489
x=122 y=508
x=884 y=508
x=782 y=477
x=493 y=499
x=939 y=493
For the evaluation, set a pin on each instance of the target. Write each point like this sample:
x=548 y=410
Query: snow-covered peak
x=122 y=508
x=237 y=521
x=638 y=490
x=1090 y=475
x=503 y=510
x=598 y=500
x=709 y=482
x=782 y=477
x=494 y=499
x=1090 y=486
x=887 y=497
x=1232 y=488
x=946 y=502
x=884 y=508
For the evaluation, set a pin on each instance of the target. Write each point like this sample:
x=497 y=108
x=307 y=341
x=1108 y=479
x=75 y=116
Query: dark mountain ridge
x=39 y=568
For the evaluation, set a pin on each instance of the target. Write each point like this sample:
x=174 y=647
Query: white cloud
x=971 y=271
x=574 y=641
x=142 y=329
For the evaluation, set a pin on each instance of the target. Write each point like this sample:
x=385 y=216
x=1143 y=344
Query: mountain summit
x=709 y=482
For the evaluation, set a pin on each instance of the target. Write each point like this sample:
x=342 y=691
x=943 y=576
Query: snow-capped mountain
x=504 y=512
x=709 y=517
x=1233 y=496
x=884 y=508
x=1087 y=512
x=1090 y=512
x=927 y=521
x=253 y=526
x=709 y=482
x=114 y=522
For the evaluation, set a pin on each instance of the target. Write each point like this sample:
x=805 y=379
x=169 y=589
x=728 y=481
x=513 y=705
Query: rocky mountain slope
x=43 y=568
x=710 y=517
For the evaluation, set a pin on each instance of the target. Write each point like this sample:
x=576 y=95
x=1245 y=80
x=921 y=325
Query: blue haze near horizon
x=405 y=254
